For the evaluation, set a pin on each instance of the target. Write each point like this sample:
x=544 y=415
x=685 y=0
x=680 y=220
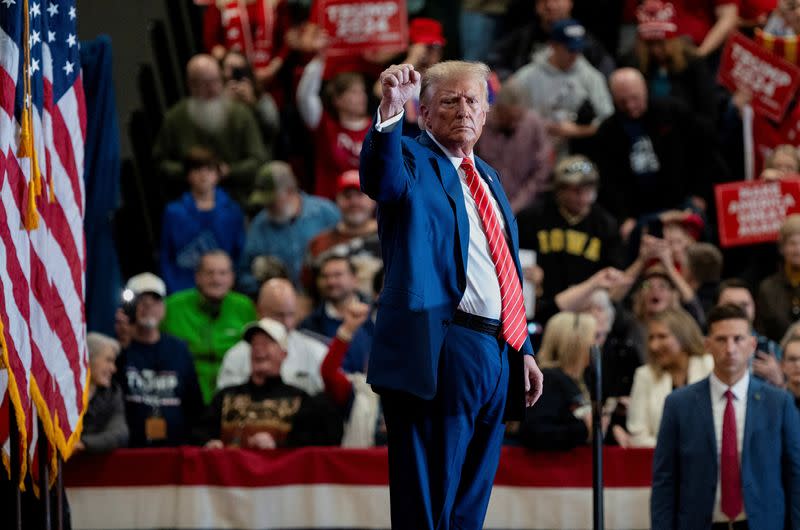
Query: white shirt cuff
x=388 y=125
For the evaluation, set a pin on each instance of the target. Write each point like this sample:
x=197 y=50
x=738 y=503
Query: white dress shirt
x=482 y=295
x=718 y=404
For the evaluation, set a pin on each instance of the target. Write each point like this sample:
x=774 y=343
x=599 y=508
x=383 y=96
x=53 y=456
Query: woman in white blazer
x=676 y=358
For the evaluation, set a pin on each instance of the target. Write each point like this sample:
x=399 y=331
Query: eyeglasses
x=579 y=166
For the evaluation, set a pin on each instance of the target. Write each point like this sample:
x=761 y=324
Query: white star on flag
x=68 y=68
x=34 y=66
x=72 y=13
x=8 y=3
x=35 y=11
x=71 y=40
x=53 y=9
x=51 y=36
x=35 y=38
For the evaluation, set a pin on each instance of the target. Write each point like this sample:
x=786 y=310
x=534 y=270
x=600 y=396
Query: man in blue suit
x=728 y=450
x=451 y=355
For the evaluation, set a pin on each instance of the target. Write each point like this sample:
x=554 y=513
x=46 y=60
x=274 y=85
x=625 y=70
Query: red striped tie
x=515 y=329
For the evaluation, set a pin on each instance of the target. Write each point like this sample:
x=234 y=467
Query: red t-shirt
x=752 y=9
x=697 y=17
x=265 y=22
x=337 y=150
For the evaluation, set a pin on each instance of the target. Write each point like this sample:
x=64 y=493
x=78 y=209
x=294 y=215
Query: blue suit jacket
x=424 y=232
x=685 y=468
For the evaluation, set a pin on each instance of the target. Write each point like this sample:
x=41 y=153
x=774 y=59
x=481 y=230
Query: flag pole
x=44 y=477
x=16 y=462
x=59 y=493
x=597 y=438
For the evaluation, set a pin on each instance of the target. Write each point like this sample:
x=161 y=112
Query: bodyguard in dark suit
x=728 y=451
x=451 y=354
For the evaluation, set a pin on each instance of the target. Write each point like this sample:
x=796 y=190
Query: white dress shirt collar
x=739 y=388
x=455 y=160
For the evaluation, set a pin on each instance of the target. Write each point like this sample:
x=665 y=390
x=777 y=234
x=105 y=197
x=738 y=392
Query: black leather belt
x=737 y=525
x=490 y=326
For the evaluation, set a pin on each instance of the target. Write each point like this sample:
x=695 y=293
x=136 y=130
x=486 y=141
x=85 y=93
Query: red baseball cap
x=348 y=180
x=656 y=20
x=426 y=31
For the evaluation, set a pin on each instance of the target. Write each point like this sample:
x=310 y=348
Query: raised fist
x=355 y=314
x=399 y=83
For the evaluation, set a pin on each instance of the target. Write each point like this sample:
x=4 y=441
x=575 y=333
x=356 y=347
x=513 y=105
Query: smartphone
x=655 y=228
x=129 y=305
x=240 y=72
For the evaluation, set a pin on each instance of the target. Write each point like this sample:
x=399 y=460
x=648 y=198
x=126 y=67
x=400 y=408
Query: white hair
x=449 y=70
x=97 y=342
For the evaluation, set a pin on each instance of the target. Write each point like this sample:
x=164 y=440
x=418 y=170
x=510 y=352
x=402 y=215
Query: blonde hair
x=567 y=336
x=789 y=228
x=685 y=330
x=449 y=70
x=792 y=334
x=96 y=342
x=784 y=149
x=679 y=51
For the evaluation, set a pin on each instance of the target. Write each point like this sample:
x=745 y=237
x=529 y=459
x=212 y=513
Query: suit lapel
x=448 y=176
x=705 y=418
x=754 y=413
x=490 y=176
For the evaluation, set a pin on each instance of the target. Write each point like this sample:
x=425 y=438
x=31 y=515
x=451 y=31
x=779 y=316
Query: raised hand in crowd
x=242 y=90
x=261 y=440
x=355 y=314
x=626 y=228
x=576 y=297
x=767 y=367
x=307 y=38
x=214 y=444
x=123 y=328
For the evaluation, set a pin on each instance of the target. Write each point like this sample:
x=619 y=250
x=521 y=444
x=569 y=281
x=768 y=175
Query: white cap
x=274 y=329
x=147 y=282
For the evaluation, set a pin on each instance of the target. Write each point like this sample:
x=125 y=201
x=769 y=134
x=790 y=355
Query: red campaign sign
x=752 y=212
x=772 y=80
x=767 y=135
x=356 y=26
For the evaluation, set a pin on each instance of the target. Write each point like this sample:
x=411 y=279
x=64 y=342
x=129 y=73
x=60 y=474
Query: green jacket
x=208 y=338
x=238 y=144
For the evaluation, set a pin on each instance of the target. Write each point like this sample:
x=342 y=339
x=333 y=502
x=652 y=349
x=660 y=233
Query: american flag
x=43 y=338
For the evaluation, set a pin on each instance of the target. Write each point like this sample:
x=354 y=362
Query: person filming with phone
x=155 y=370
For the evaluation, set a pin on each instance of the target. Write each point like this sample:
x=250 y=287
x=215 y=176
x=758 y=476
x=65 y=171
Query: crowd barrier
x=194 y=488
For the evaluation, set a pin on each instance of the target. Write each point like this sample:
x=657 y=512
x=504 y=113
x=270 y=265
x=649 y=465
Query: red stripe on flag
x=8 y=89
x=78 y=88
x=56 y=222
x=22 y=289
x=64 y=150
x=16 y=181
x=4 y=418
x=53 y=306
x=53 y=399
x=19 y=292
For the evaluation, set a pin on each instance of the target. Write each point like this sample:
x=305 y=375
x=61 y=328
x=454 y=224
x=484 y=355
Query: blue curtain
x=102 y=179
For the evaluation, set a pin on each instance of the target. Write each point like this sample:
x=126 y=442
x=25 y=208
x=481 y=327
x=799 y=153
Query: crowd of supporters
x=609 y=131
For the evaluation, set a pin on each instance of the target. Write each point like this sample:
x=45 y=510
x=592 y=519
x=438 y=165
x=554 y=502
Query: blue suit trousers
x=443 y=453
